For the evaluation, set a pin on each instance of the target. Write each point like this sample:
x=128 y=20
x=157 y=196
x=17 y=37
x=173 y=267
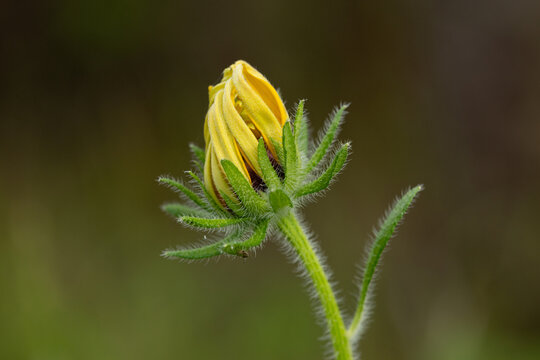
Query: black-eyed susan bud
x=243 y=107
x=249 y=141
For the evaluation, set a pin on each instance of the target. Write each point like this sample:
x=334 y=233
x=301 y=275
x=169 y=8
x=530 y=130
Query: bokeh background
x=98 y=98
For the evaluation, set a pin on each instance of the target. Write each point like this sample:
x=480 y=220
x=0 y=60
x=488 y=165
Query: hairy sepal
x=202 y=252
x=280 y=153
x=269 y=174
x=198 y=156
x=183 y=189
x=291 y=157
x=279 y=201
x=301 y=130
x=209 y=223
x=249 y=198
x=327 y=136
x=233 y=205
x=208 y=198
x=240 y=248
x=176 y=210
x=324 y=180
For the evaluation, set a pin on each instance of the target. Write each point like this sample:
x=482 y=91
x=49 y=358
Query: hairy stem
x=292 y=230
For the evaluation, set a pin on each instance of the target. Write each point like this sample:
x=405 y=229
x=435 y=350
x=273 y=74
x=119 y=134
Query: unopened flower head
x=243 y=107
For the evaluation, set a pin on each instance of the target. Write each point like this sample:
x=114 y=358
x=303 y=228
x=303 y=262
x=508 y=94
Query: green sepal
x=332 y=129
x=209 y=223
x=326 y=177
x=291 y=157
x=239 y=248
x=177 y=209
x=196 y=253
x=247 y=196
x=279 y=200
x=232 y=204
x=198 y=157
x=269 y=174
x=381 y=238
x=201 y=252
x=174 y=184
x=301 y=133
x=209 y=198
x=198 y=154
x=280 y=153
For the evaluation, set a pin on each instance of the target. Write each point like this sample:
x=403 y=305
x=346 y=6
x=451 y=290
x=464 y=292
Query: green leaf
x=332 y=129
x=209 y=223
x=279 y=200
x=201 y=252
x=177 y=209
x=326 y=177
x=174 y=184
x=269 y=175
x=382 y=236
x=291 y=157
x=247 y=196
x=301 y=131
x=239 y=248
x=209 y=198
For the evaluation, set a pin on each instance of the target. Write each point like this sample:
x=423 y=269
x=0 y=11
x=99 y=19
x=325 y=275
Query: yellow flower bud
x=243 y=107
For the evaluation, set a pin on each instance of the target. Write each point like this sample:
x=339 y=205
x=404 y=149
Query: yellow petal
x=266 y=91
x=263 y=118
x=213 y=90
x=240 y=130
x=227 y=73
x=218 y=176
x=223 y=141
x=206 y=133
x=208 y=181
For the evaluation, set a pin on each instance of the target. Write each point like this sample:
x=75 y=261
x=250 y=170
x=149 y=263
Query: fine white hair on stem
x=303 y=273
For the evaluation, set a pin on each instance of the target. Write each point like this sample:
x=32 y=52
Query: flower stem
x=294 y=233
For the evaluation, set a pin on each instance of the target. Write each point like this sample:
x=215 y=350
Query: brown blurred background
x=99 y=98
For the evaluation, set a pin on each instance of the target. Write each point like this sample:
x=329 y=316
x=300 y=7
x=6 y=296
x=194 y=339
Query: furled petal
x=208 y=181
x=224 y=144
x=245 y=137
x=266 y=91
x=218 y=176
x=206 y=132
x=262 y=116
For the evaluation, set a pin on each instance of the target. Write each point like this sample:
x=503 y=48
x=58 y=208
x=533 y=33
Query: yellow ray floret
x=243 y=107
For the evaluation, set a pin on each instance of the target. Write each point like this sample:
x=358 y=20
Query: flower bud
x=243 y=107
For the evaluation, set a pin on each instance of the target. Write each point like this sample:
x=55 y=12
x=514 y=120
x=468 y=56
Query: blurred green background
x=99 y=98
